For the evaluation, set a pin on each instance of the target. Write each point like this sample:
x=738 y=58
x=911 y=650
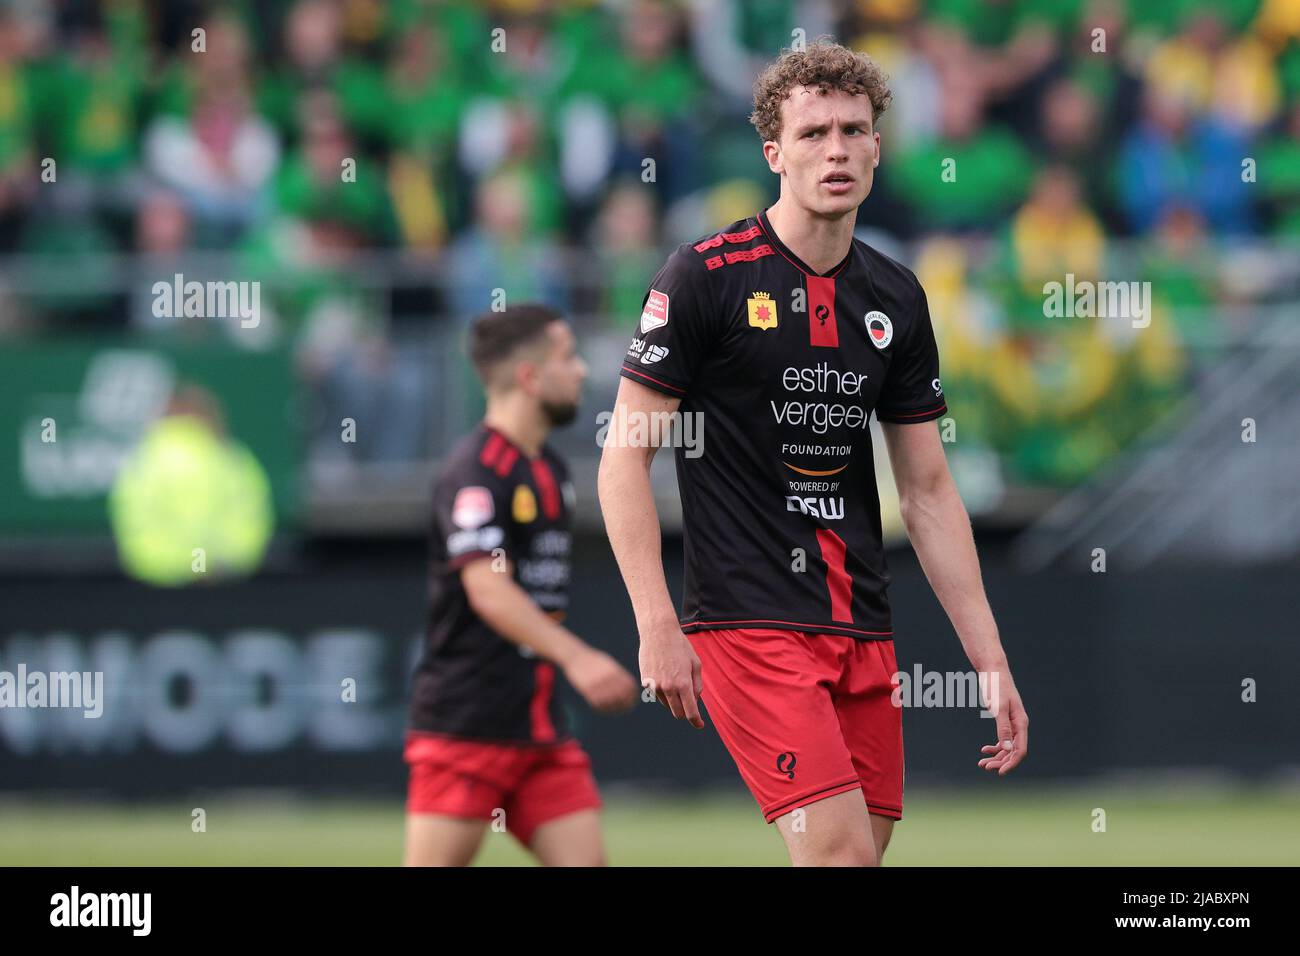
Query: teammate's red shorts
x=532 y=784
x=806 y=716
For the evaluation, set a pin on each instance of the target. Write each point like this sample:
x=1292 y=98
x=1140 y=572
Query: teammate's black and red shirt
x=783 y=368
x=492 y=501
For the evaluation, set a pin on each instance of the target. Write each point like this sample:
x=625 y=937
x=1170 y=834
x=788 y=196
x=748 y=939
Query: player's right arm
x=679 y=326
x=669 y=665
x=507 y=608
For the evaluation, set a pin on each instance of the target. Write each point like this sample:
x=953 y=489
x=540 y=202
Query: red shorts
x=532 y=784
x=806 y=716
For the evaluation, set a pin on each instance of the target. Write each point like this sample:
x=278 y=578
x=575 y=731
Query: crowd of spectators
x=555 y=148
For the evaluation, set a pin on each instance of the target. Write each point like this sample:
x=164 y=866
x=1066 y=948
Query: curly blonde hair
x=824 y=64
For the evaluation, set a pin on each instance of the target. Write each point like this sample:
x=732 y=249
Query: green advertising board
x=71 y=412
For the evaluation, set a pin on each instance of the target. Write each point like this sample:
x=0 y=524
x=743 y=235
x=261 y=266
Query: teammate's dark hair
x=497 y=337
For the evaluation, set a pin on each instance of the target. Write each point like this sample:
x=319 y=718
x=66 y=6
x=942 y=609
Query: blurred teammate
x=783 y=333
x=487 y=741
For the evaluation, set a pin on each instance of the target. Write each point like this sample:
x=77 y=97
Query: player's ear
x=876 y=161
x=772 y=153
x=528 y=375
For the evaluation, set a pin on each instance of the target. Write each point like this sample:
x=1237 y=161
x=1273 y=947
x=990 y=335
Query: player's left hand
x=1012 y=722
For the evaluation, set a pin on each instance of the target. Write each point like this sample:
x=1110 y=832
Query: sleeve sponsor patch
x=481 y=539
x=655 y=313
x=472 y=508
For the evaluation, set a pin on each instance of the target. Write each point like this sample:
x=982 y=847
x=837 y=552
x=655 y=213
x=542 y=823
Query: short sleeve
x=470 y=516
x=912 y=392
x=676 y=328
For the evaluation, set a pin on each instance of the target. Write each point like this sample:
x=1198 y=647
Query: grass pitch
x=1027 y=828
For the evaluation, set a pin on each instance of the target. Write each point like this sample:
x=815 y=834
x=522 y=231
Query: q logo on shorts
x=785 y=763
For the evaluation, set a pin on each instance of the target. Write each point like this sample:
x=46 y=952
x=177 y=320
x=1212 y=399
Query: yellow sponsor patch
x=524 y=505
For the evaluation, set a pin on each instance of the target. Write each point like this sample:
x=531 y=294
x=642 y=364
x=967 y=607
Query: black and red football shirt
x=781 y=369
x=491 y=501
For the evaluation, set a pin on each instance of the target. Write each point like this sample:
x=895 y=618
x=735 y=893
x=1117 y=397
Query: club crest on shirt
x=472 y=507
x=523 y=507
x=762 y=311
x=655 y=313
x=879 y=329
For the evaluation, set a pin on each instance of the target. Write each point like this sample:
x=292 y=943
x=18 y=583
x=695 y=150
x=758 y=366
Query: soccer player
x=783 y=333
x=487 y=741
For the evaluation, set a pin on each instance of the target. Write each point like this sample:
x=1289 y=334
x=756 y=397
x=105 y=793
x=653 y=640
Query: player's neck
x=520 y=421
x=819 y=241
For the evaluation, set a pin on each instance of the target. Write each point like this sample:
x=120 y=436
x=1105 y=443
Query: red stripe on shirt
x=768 y=624
x=547 y=486
x=929 y=411
x=753 y=232
x=492 y=449
x=748 y=255
x=822 y=329
x=539 y=709
x=507 y=462
x=636 y=371
x=838 y=581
